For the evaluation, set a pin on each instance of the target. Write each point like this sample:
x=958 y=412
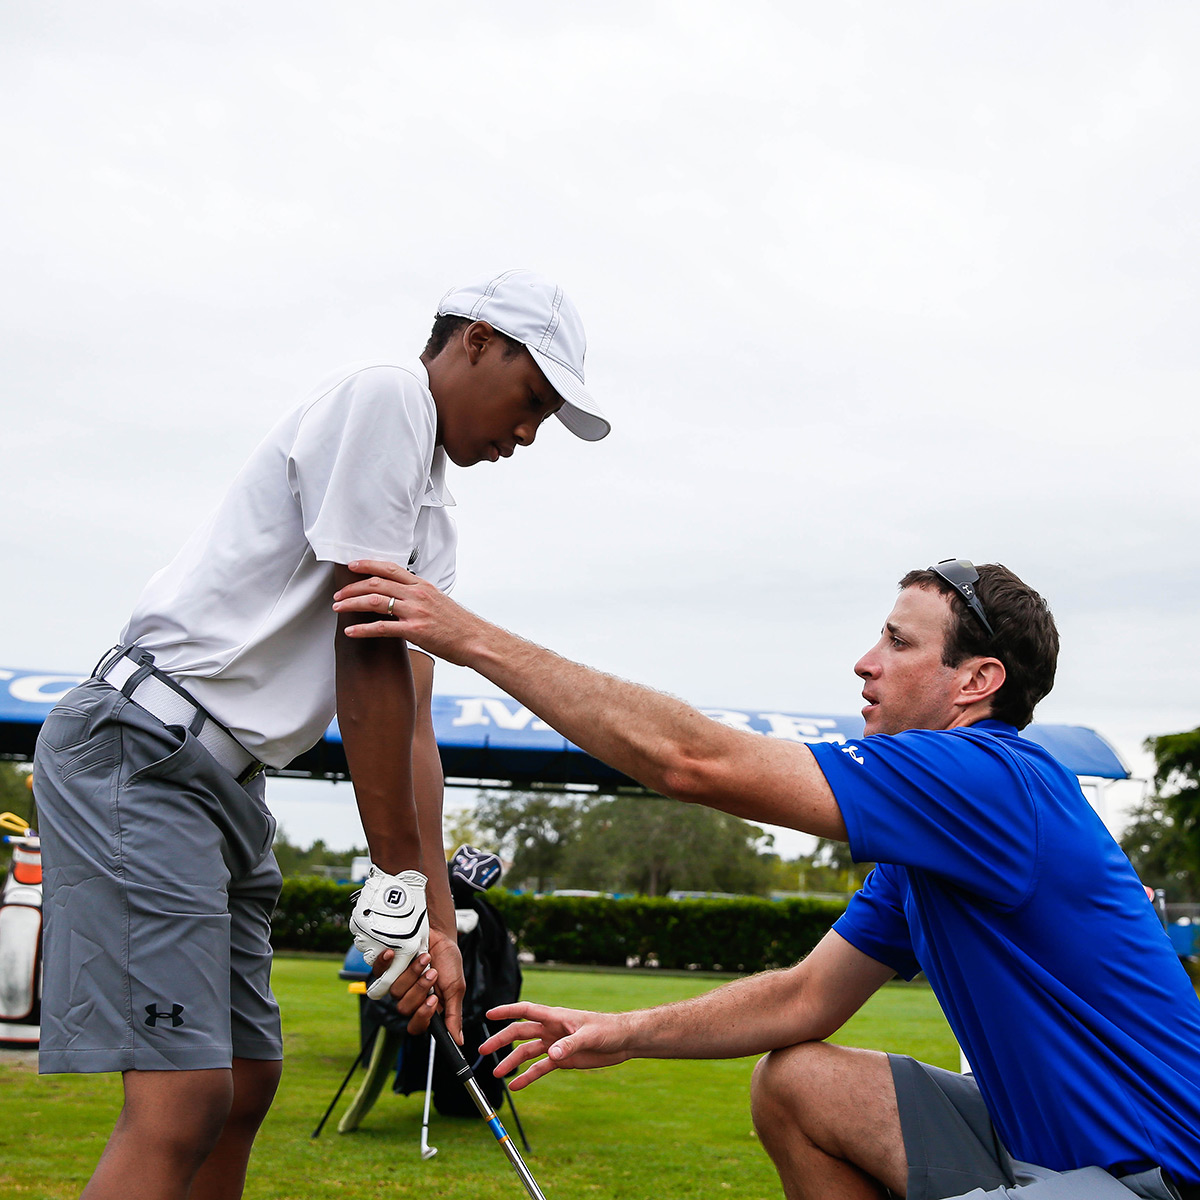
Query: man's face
x=494 y=404
x=905 y=683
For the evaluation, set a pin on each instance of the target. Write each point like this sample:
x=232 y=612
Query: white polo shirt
x=242 y=617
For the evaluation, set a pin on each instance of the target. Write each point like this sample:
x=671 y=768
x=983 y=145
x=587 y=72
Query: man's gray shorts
x=159 y=886
x=954 y=1153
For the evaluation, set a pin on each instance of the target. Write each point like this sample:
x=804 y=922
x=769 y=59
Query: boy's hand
x=431 y=981
x=407 y=607
x=390 y=914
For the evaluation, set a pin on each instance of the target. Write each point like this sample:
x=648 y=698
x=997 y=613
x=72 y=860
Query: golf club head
x=427 y=1152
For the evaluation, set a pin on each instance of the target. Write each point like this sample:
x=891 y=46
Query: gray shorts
x=159 y=885
x=954 y=1153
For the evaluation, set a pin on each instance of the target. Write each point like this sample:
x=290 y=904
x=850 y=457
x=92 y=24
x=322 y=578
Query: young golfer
x=160 y=879
x=995 y=878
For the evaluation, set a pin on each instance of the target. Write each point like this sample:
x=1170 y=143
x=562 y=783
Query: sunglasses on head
x=961 y=575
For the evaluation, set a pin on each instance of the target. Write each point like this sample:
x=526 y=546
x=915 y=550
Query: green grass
x=670 y=1130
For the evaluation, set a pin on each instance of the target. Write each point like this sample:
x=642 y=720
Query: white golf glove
x=390 y=914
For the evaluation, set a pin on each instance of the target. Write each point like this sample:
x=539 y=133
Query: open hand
x=570 y=1039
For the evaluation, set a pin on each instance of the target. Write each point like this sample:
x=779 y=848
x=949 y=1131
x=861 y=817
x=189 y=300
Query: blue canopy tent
x=494 y=739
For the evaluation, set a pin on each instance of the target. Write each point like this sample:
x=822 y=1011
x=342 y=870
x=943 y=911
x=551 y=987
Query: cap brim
x=579 y=412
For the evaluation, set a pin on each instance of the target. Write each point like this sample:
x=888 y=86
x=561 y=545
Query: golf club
x=428 y=1151
x=495 y=1057
x=316 y=1133
x=462 y=1069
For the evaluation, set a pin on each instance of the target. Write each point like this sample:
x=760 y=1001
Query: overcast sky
x=866 y=286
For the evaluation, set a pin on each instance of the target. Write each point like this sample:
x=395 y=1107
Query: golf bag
x=493 y=976
x=21 y=944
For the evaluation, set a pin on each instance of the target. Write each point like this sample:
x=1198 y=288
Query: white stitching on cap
x=552 y=327
x=488 y=293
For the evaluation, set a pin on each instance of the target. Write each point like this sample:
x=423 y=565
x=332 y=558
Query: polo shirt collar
x=437 y=494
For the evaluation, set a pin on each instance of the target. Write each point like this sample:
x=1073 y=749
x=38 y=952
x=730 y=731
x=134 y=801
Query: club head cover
x=479 y=869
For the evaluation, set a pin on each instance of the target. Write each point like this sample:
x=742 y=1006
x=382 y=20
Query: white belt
x=163 y=698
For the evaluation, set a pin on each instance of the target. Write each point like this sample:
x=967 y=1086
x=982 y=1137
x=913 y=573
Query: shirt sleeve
x=948 y=802
x=359 y=465
x=874 y=923
x=437 y=546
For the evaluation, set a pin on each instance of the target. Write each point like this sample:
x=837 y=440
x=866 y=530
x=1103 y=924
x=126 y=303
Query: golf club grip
x=462 y=1071
x=448 y=1046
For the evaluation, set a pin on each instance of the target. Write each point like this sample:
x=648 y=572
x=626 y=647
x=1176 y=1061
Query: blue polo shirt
x=998 y=880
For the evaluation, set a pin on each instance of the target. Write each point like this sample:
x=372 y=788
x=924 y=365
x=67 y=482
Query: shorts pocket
x=176 y=754
x=76 y=740
x=64 y=728
x=99 y=752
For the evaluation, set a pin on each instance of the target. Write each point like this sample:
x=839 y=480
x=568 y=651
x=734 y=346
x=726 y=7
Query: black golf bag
x=493 y=976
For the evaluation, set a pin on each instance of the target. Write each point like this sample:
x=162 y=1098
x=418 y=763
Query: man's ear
x=476 y=338
x=986 y=677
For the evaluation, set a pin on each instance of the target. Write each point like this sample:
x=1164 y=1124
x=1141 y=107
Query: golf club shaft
x=462 y=1069
x=316 y=1133
x=428 y=1093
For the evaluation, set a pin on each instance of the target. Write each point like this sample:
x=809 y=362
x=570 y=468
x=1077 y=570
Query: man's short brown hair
x=1026 y=640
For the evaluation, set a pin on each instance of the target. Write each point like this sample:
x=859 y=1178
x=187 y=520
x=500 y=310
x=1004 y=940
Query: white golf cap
x=535 y=310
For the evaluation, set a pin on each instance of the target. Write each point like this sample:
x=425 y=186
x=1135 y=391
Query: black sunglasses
x=961 y=575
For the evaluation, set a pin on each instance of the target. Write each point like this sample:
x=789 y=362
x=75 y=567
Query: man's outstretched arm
x=804 y=1003
x=658 y=740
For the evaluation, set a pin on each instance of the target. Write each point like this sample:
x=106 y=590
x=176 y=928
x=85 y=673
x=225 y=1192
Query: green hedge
x=312 y=914
x=746 y=934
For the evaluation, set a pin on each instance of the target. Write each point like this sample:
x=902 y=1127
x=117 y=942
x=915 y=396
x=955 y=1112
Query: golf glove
x=390 y=914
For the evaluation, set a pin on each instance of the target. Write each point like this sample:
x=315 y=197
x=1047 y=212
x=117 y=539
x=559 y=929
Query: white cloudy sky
x=866 y=285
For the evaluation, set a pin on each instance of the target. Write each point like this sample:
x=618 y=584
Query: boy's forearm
x=428 y=791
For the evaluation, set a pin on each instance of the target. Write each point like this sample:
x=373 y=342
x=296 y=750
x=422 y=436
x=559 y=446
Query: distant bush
x=745 y=934
x=312 y=914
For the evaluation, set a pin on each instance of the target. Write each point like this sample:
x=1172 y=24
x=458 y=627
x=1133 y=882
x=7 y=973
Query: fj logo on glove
x=154 y=1015
x=394 y=896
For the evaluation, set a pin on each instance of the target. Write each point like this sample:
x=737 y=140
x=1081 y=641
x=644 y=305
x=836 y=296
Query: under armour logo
x=854 y=754
x=153 y=1016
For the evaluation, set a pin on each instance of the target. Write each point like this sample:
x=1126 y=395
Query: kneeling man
x=995 y=878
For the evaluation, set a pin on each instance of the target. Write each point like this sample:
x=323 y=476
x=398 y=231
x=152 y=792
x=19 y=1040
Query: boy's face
x=489 y=402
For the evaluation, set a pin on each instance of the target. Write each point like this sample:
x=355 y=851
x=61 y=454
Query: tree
x=1159 y=850
x=317 y=859
x=459 y=828
x=1163 y=837
x=831 y=868
x=653 y=846
x=16 y=796
x=533 y=829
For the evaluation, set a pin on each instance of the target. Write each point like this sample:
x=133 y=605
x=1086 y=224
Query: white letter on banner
x=800 y=729
x=483 y=711
x=43 y=689
x=730 y=717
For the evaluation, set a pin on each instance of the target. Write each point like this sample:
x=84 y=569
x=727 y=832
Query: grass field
x=661 y=1130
